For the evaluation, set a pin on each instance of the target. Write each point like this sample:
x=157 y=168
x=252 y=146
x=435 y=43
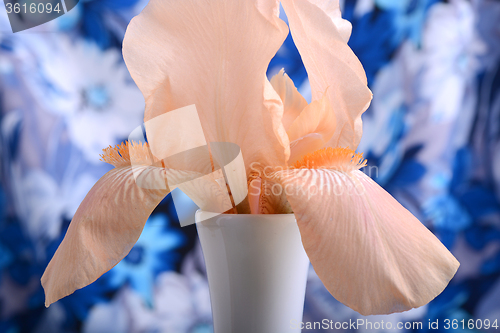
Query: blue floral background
x=432 y=131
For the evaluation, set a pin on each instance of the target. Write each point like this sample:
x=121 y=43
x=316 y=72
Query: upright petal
x=321 y=37
x=293 y=101
x=316 y=120
x=332 y=9
x=104 y=229
x=305 y=145
x=370 y=252
x=213 y=54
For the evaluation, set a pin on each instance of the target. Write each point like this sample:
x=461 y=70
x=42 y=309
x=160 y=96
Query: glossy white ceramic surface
x=257 y=271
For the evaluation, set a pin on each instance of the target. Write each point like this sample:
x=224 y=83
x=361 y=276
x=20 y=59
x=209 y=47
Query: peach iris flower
x=370 y=252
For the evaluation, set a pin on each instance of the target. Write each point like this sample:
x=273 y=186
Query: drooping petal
x=321 y=37
x=104 y=229
x=204 y=182
x=293 y=101
x=370 y=252
x=213 y=54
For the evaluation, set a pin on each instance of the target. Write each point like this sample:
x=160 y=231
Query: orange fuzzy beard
x=341 y=159
x=119 y=155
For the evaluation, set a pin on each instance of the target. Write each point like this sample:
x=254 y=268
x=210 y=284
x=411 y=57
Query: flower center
x=341 y=159
x=96 y=97
x=135 y=255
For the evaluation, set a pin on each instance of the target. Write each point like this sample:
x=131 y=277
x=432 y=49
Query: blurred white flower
x=488 y=306
x=323 y=306
x=363 y=7
x=431 y=89
x=125 y=313
x=391 y=91
x=489 y=29
x=181 y=304
x=89 y=88
x=451 y=48
x=42 y=203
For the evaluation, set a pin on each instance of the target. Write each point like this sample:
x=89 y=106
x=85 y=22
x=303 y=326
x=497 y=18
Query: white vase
x=257 y=271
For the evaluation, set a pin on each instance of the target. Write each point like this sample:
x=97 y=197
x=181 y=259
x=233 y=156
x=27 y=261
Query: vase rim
x=209 y=212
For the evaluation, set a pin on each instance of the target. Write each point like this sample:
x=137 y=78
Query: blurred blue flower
x=387 y=158
x=97 y=20
x=154 y=252
x=480 y=201
x=480 y=236
x=18 y=253
x=77 y=305
x=409 y=17
x=10 y=136
x=8 y=326
x=372 y=38
x=446 y=212
x=409 y=172
x=447 y=302
x=3 y=205
x=203 y=329
x=74 y=308
x=492 y=265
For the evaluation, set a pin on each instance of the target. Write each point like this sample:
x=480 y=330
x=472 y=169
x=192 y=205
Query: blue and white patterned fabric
x=432 y=132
